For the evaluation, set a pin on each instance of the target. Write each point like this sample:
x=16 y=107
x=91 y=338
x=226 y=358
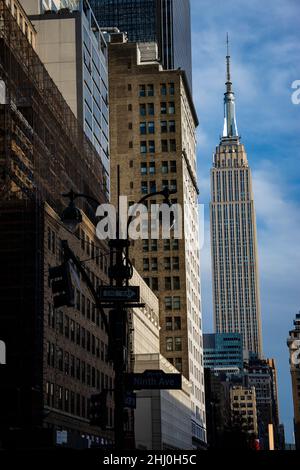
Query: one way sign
x=119 y=294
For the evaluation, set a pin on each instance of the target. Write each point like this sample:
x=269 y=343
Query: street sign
x=153 y=380
x=130 y=400
x=119 y=294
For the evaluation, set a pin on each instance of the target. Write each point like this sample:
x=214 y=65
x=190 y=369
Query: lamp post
x=120 y=272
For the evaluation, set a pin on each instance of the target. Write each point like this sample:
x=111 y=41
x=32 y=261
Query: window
x=171 y=88
x=168 y=303
x=178 y=363
x=167 y=245
x=176 y=303
x=175 y=263
x=142 y=109
x=172 y=126
x=154 y=245
x=171 y=107
x=145 y=246
x=173 y=185
x=177 y=323
x=151 y=168
x=173 y=166
x=151 y=144
x=142 y=90
x=172 y=145
x=154 y=283
x=163 y=127
x=151 y=109
x=143 y=128
x=169 y=324
x=130 y=126
x=163 y=89
x=151 y=127
x=169 y=344
x=143 y=168
x=60 y=321
x=167 y=263
x=164 y=167
x=150 y=90
x=168 y=283
x=144 y=187
x=146 y=264
x=176 y=283
x=129 y=87
x=163 y=107
x=130 y=107
x=178 y=344
x=152 y=186
x=164 y=145
x=153 y=264
x=67 y=326
x=143 y=146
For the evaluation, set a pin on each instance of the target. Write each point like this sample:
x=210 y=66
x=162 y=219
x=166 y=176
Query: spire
x=230 y=128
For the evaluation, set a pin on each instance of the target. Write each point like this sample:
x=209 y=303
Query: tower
x=152 y=134
x=236 y=295
x=166 y=22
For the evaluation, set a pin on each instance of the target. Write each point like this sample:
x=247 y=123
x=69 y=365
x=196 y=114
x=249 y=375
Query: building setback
x=293 y=343
x=166 y=22
x=236 y=295
x=153 y=140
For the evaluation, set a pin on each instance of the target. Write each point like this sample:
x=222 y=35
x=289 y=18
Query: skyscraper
x=152 y=137
x=236 y=294
x=166 y=22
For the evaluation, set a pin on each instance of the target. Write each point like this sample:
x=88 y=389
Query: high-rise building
x=73 y=49
x=223 y=352
x=166 y=22
x=236 y=295
x=293 y=343
x=152 y=135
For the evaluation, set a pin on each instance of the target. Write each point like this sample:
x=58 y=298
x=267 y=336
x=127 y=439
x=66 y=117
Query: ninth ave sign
x=153 y=380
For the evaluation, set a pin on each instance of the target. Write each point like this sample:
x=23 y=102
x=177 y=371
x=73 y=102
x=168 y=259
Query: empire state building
x=236 y=295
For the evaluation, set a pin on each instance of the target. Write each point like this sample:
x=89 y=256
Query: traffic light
x=62 y=288
x=98 y=410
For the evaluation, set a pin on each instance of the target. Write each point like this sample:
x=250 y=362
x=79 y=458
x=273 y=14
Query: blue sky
x=265 y=50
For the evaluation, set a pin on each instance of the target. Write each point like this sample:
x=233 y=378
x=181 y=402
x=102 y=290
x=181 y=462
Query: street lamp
x=120 y=273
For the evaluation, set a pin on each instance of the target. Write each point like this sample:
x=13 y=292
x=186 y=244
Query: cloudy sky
x=265 y=50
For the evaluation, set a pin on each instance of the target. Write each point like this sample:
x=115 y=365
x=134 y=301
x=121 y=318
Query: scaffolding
x=44 y=151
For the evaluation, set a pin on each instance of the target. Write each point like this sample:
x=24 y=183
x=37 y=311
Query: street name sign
x=119 y=294
x=153 y=380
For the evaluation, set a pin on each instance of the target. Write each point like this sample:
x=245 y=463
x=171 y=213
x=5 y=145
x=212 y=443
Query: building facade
x=243 y=409
x=153 y=142
x=236 y=294
x=56 y=359
x=162 y=417
x=223 y=352
x=293 y=343
x=166 y=22
x=74 y=52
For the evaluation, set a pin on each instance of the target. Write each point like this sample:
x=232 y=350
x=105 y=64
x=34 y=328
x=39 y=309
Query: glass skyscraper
x=166 y=22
